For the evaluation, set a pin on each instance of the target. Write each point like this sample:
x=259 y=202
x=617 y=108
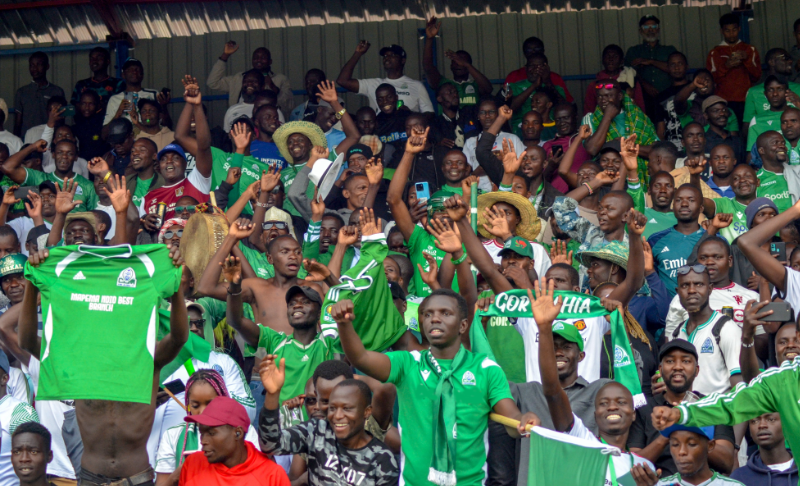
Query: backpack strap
x=717 y=329
x=677 y=331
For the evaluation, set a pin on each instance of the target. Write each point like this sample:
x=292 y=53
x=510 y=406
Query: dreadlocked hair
x=222 y=332
x=632 y=326
x=215 y=380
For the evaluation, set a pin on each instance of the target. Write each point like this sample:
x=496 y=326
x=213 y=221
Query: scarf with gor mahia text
x=515 y=304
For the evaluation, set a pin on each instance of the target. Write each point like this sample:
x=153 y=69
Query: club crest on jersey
x=468 y=379
x=738 y=299
x=580 y=325
x=413 y=324
x=707 y=347
x=179 y=192
x=127 y=278
x=621 y=357
x=218 y=369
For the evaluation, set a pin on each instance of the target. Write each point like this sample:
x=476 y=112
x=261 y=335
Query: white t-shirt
x=792 y=294
x=734 y=295
x=13 y=142
x=782 y=466
x=22 y=226
x=717 y=363
x=51 y=415
x=239 y=109
x=716 y=479
x=541 y=260
x=165 y=459
x=470 y=145
x=622 y=463
x=18 y=386
x=116 y=100
x=410 y=91
x=109 y=210
x=592 y=330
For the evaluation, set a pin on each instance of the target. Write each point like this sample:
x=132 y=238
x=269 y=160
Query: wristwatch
x=261 y=205
x=340 y=114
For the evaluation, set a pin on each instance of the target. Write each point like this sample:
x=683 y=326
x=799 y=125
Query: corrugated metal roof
x=81 y=24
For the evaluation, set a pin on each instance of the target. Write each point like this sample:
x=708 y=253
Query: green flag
x=574 y=305
x=195 y=347
x=587 y=460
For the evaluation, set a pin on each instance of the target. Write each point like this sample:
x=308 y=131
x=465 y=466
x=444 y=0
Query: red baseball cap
x=222 y=411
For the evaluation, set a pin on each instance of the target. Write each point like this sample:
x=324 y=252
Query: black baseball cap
x=312 y=294
x=244 y=119
x=681 y=344
x=397 y=291
x=647 y=18
x=394 y=48
x=119 y=130
x=359 y=148
x=132 y=62
x=48 y=185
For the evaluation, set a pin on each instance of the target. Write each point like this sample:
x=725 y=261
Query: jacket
x=755 y=473
x=732 y=84
x=233 y=85
x=156 y=182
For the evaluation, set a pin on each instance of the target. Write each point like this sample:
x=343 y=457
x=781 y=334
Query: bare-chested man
x=266 y=297
x=114 y=433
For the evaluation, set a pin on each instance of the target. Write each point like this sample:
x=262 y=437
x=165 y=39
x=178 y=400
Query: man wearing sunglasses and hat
x=716 y=336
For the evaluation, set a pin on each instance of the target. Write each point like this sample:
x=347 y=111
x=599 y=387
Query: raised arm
x=565 y=166
x=345 y=78
x=483 y=148
x=394 y=195
x=348 y=236
x=750 y=244
x=120 y=199
x=376 y=365
x=748 y=361
x=269 y=181
x=28 y=325
x=8 y=201
x=484 y=84
x=272 y=439
x=13 y=168
x=182 y=130
x=65 y=202
x=594 y=143
x=170 y=345
x=8 y=334
x=327 y=92
x=209 y=284
x=374 y=171
x=634 y=277
x=203 y=162
x=601 y=179
x=682 y=96
x=232 y=271
x=431 y=73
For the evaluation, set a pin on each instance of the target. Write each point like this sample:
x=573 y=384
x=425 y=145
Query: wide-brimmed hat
x=310 y=130
x=614 y=251
x=529 y=226
x=87 y=216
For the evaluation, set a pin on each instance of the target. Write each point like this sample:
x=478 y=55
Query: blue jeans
x=258 y=393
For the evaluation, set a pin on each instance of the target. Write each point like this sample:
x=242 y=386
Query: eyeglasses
x=169 y=234
x=487 y=113
x=650 y=27
x=198 y=323
x=605 y=86
x=311 y=400
x=273 y=224
x=188 y=209
x=697 y=268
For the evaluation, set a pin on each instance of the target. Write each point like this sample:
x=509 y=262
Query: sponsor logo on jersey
x=179 y=192
x=739 y=214
x=79 y=191
x=467 y=379
x=621 y=357
x=425 y=374
x=218 y=369
x=766 y=106
x=79 y=276
x=738 y=299
x=707 y=347
x=469 y=89
x=664 y=250
x=580 y=325
x=127 y=278
x=305 y=358
x=653 y=221
x=769 y=122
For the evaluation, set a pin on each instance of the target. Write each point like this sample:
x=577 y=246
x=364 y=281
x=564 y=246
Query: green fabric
x=515 y=303
x=756 y=102
x=516 y=119
x=774 y=187
x=142 y=188
x=468 y=91
x=191 y=442
x=411 y=316
x=85 y=192
x=739 y=224
x=587 y=463
x=443 y=469
x=686 y=118
x=377 y=321
x=311 y=250
x=100 y=344
x=447 y=191
x=658 y=78
x=419 y=242
x=794 y=153
x=504 y=338
x=657 y=221
x=637 y=194
x=251 y=167
x=764 y=122
x=195 y=347
x=258 y=261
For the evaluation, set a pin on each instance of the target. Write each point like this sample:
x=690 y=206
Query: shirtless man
x=266 y=297
x=114 y=433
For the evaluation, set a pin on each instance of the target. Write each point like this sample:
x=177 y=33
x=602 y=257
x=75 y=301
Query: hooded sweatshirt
x=756 y=473
x=257 y=470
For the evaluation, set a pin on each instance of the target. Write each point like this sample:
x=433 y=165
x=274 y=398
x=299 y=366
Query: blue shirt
x=670 y=249
x=268 y=153
x=726 y=193
x=334 y=138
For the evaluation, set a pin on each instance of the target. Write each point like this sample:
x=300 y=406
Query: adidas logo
x=664 y=250
x=79 y=276
x=653 y=221
x=305 y=358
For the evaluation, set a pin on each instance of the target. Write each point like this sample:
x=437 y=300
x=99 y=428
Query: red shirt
x=194 y=186
x=733 y=83
x=522 y=73
x=257 y=470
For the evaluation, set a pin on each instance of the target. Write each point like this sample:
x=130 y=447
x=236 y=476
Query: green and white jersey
x=84 y=193
x=657 y=221
x=774 y=186
x=794 y=153
x=222 y=161
x=301 y=360
x=13 y=413
x=468 y=91
x=507 y=345
x=100 y=311
x=258 y=261
x=764 y=122
x=716 y=479
x=423 y=242
x=756 y=102
x=411 y=317
x=479 y=384
x=739 y=224
x=141 y=190
x=719 y=361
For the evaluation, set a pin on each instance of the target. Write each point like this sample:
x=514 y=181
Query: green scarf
x=187 y=441
x=195 y=347
x=442 y=470
x=515 y=304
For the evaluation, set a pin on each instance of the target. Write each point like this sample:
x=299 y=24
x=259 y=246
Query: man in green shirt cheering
x=776 y=91
x=771 y=147
x=461 y=388
x=660 y=216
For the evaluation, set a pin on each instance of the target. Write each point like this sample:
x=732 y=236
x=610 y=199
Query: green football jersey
x=141 y=190
x=739 y=224
x=258 y=261
x=507 y=345
x=251 y=171
x=479 y=384
x=84 y=193
x=657 y=221
x=468 y=91
x=100 y=312
x=301 y=361
x=419 y=242
x=774 y=187
x=794 y=153
x=769 y=120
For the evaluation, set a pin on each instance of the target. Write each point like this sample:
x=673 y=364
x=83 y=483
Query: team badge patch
x=707 y=347
x=468 y=379
x=218 y=369
x=179 y=192
x=127 y=278
x=621 y=357
x=413 y=324
x=580 y=325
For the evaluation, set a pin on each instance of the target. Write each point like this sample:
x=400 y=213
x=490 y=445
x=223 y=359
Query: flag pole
x=509 y=422
x=473 y=205
x=184 y=406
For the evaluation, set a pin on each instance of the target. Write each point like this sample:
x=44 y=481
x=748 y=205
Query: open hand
x=232 y=270
x=118 y=193
x=327 y=92
x=65 y=195
x=34 y=208
x=544 y=308
x=511 y=162
x=374 y=170
x=368 y=224
x=430 y=276
x=496 y=223
x=447 y=238
x=432 y=28
x=240 y=136
x=272 y=376
x=317 y=272
x=559 y=253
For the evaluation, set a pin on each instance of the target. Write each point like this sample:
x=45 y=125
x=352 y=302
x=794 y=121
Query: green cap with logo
x=520 y=246
x=13 y=263
x=569 y=332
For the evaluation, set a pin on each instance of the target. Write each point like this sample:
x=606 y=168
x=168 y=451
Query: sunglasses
x=197 y=322
x=650 y=27
x=189 y=209
x=604 y=86
x=311 y=400
x=698 y=268
x=274 y=224
x=169 y=234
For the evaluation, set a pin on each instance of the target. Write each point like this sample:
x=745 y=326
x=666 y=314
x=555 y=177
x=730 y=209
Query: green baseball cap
x=520 y=246
x=569 y=332
x=13 y=263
